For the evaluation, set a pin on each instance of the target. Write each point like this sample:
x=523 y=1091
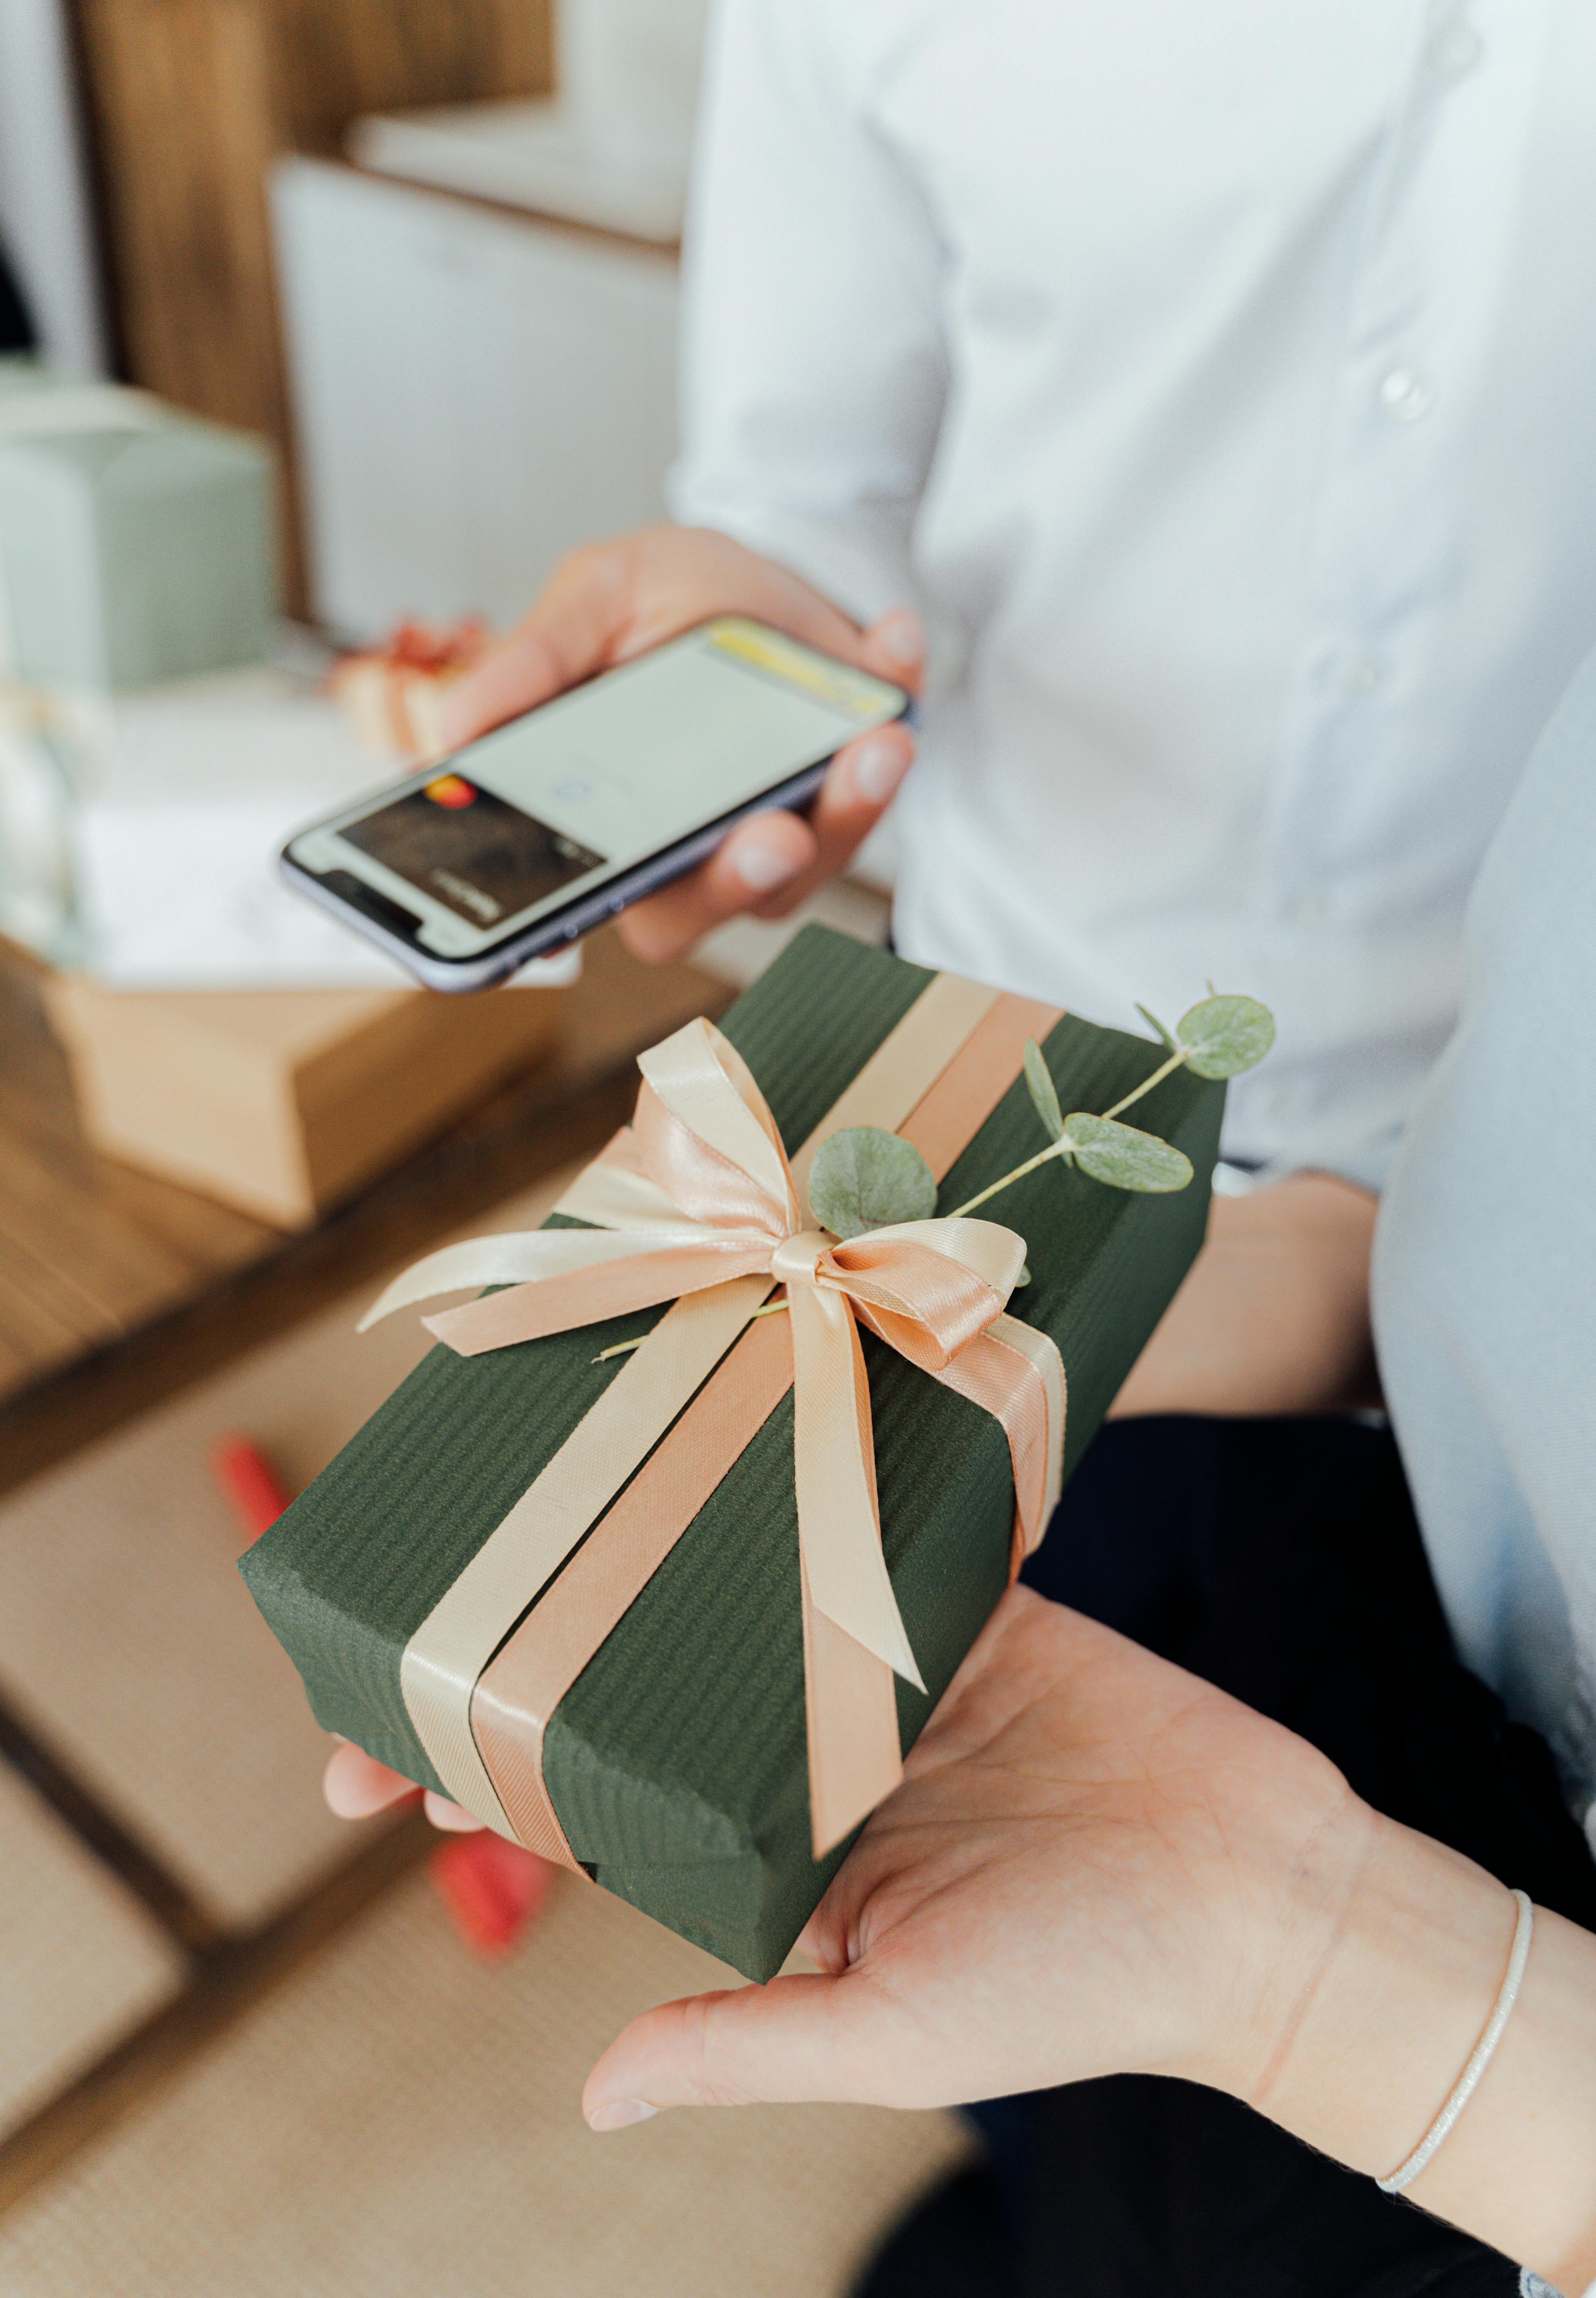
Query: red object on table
x=246 y=1478
x=493 y=1890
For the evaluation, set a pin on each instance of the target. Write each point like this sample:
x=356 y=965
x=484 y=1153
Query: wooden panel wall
x=190 y=99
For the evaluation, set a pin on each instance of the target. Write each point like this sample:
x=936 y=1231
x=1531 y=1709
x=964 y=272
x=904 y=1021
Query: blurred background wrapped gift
x=137 y=545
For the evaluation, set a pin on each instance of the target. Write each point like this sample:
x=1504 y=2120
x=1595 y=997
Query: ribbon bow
x=699 y=1191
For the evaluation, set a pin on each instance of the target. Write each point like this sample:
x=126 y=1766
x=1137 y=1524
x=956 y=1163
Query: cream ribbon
x=698 y=1205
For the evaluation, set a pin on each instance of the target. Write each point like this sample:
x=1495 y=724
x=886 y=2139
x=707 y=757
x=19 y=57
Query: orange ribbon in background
x=697 y=1204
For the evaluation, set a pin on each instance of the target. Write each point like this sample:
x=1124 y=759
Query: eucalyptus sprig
x=1218 y=1038
x=865 y=1178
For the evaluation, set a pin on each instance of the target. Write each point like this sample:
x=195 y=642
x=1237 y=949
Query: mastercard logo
x=451 y=791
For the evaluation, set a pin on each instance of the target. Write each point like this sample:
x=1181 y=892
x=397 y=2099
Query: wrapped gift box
x=672 y=1756
x=282 y=1102
x=137 y=543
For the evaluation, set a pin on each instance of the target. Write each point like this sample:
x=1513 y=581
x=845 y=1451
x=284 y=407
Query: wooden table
x=117 y=1288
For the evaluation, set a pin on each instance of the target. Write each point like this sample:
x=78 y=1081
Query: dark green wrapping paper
x=676 y=1762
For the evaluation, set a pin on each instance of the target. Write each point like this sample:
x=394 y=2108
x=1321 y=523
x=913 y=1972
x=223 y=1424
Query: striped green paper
x=676 y=1762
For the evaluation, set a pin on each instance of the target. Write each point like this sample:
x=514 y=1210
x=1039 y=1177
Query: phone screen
x=550 y=807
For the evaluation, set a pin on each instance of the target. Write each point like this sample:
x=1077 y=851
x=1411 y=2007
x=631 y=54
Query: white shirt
x=1221 y=381
x=1485 y=1267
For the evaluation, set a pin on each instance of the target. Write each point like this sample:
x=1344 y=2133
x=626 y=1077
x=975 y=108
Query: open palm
x=1096 y=1864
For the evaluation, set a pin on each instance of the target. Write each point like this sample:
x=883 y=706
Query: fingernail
x=899 y=635
x=620 y=2115
x=878 y=770
x=764 y=868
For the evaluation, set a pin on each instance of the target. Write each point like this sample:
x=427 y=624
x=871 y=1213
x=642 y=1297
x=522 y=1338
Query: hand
x=1096 y=1864
x=606 y=604
x=356 y=1785
x=1273 y=1316
x=1099 y=1864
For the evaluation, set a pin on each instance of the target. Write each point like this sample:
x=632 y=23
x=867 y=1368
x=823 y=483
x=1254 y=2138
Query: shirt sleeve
x=1484 y=1268
x=814 y=370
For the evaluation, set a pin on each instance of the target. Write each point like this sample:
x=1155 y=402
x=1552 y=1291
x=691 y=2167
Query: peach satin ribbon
x=698 y=1198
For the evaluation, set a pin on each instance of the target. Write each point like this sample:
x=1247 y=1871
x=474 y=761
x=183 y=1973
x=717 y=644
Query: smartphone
x=540 y=830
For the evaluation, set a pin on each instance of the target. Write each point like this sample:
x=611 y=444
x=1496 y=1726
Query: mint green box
x=130 y=554
x=20 y=371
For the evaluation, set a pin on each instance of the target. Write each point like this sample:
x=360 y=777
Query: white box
x=538 y=156
x=475 y=392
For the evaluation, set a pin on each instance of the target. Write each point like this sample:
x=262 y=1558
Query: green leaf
x=1224 y=1036
x=863 y=1177
x=1044 y=1096
x=1125 y=1158
x=1154 y=1023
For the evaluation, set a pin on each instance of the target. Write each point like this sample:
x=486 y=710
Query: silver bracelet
x=1467 y=2081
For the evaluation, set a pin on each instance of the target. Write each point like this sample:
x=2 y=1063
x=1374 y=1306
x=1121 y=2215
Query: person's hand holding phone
x=606 y=604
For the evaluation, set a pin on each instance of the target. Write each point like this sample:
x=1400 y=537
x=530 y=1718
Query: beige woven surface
x=128 y=1637
x=402 y=2121
x=80 y=1963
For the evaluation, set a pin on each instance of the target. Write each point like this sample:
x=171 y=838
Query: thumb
x=799 y=2037
x=570 y=632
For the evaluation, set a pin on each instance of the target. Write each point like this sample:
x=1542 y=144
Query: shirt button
x=1360 y=673
x=1406 y=396
x=1455 y=51
x=1310 y=911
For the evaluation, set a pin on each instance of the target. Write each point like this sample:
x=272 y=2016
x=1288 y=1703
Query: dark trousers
x=1281 y=1560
